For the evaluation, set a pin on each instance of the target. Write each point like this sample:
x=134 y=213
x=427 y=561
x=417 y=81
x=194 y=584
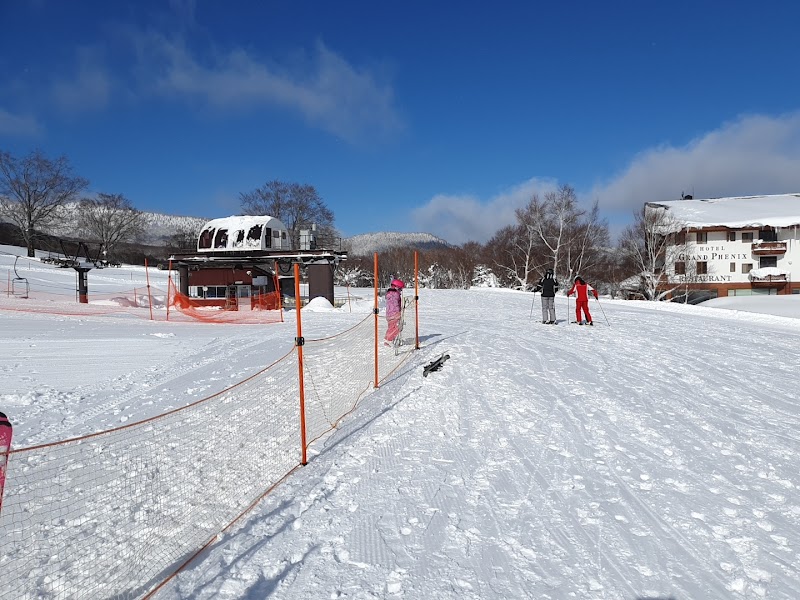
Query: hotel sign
x=706 y=253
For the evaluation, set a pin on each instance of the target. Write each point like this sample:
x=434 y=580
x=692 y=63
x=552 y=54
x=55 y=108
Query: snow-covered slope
x=632 y=459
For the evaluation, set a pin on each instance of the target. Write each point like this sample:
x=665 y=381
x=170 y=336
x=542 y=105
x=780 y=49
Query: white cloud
x=18 y=125
x=460 y=219
x=324 y=88
x=752 y=155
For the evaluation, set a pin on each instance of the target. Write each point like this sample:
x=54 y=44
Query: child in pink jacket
x=394 y=312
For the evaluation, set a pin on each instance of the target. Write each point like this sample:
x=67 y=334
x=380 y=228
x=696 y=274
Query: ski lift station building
x=744 y=245
x=239 y=257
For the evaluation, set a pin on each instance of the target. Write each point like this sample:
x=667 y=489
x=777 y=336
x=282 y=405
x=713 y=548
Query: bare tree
x=298 y=206
x=513 y=252
x=33 y=188
x=110 y=219
x=556 y=232
x=587 y=244
x=183 y=239
x=654 y=243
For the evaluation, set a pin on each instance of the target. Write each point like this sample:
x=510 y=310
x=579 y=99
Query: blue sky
x=440 y=117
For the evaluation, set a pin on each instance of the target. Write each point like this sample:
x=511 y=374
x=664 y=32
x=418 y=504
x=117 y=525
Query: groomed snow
x=654 y=455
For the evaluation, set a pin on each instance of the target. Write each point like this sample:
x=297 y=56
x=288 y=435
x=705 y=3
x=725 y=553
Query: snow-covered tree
x=483 y=276
x=353 y=276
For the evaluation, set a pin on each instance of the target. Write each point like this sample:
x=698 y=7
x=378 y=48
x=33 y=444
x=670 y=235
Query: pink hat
x=397 y=283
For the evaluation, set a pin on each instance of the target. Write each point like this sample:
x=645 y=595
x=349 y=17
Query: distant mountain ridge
x=158 y=227
x=368 y=243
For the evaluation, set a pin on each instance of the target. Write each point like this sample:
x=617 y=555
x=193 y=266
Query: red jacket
x=582 y=291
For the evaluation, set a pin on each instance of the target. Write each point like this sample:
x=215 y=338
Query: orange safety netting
x=140 y=302
x=255 y=309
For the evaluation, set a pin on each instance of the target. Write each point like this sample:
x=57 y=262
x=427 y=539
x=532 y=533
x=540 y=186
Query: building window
x=747 y=267
x=680 y=268
x=731 y=236
x=702 y=237
x=210 y=291
x=221 y=238
x=205 y=238
x=747 y=236
x=679 y=238
x=733 y=267
x=768 y=261
x=702 y=268
x=254 y=236
x=768 y=235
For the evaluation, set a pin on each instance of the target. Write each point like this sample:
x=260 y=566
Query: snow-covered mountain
x=368 y=243
x=159 y=227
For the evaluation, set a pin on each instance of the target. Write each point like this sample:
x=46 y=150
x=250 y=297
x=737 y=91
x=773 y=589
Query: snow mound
x=318 y=304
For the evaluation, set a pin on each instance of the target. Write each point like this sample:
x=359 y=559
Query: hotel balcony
x=768 y=248
x=768 y=281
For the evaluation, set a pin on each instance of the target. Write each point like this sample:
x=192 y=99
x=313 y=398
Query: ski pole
x=602 y=311
x=532 y=302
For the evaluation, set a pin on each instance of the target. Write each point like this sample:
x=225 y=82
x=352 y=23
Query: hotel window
x=702 y=237
x=733 y=267
x=702 y=268
x=747 y=267
x=731 y=236
x=680 y=238
x=767 y=261
x=680 y=268
x=768 y=235
x=747 y=236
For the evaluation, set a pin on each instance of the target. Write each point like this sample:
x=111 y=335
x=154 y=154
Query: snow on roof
x=781 y=210
x=244 y=222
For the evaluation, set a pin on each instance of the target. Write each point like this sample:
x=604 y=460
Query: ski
x=398 y=340
x=5 y=448
x=435 y=365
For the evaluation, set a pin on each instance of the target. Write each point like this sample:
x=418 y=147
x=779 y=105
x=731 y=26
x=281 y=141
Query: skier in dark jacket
x=548 y=286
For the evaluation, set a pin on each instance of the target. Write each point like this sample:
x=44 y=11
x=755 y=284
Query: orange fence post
x=375 y=311
x=299 y=344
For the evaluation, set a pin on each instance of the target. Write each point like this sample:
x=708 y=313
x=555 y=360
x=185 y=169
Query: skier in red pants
x=581 y=290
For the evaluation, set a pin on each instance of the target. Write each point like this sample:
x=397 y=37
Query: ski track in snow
x=555 y=462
